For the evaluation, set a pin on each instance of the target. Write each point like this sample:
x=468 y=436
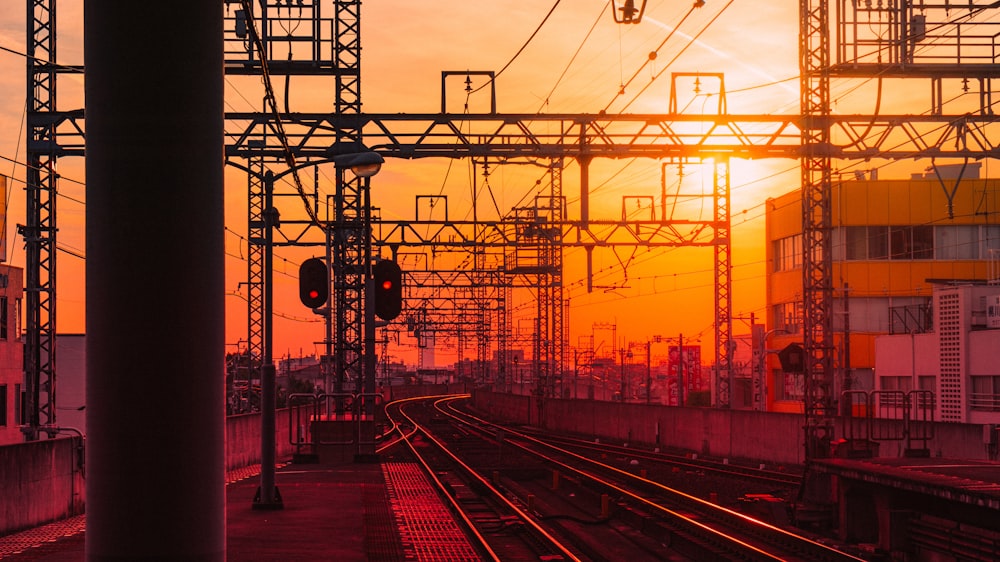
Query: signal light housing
x=314 y=283
x=387 y=285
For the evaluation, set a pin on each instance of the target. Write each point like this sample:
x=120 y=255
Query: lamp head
x=361 y=164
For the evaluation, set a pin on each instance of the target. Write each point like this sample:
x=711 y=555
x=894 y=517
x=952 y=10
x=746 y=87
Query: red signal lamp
x=388 y=289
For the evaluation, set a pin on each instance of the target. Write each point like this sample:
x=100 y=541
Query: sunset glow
x=580 y=61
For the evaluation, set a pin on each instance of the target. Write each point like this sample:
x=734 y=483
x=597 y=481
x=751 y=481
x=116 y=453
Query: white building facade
x=959 y=361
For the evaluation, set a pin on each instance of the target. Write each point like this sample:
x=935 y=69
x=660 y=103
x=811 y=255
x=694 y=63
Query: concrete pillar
x=155 y=281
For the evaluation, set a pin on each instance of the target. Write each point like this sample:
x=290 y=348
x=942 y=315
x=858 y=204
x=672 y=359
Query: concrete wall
x=410 y=390
x=40 y=482
x=768 y=437
x=243 y=439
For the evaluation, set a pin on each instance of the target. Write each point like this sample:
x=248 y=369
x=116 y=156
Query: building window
x=985 y=394
x=893 y=390
x=3 y=405
x=878 y=242
x=904 y=383
x=911 y=242
x=856 y=241
x=925 y=400
x=956 y=242
x=991 y=240
x=3 y=319
x=788 y=253
x=18 y=405
x=791 y=386
x=788 y=317
x=867 y=242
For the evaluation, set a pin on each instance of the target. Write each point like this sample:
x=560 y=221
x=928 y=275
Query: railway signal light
x=388 y=288
x=314 y=283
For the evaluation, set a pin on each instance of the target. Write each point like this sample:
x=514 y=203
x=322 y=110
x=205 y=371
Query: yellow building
x=892 y=240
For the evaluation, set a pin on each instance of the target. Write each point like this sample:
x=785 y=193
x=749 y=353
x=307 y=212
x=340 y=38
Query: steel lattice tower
x=723 y=250
x=46 y=142
x=817 y=263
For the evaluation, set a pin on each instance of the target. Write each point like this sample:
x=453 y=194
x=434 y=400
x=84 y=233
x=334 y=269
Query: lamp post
x=268 y=496
x=649 y=373
x=364 y=165
x=680 y=370
x=763 y=365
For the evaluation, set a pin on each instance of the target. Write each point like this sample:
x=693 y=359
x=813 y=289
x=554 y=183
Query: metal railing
x=363 y=412
x=890 y=415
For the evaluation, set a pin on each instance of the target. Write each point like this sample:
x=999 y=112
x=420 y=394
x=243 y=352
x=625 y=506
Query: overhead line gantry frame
x=314 y=138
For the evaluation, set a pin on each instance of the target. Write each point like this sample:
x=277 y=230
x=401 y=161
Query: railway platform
x=381 y=511
x=913 y=503
x=388 y=511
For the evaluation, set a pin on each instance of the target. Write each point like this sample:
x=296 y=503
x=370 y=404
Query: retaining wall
x=758 y=436
x=40 y=481
x=243 y=439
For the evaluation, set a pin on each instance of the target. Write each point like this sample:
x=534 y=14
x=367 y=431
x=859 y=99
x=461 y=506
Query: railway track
x=685 y=462
x=607 y=502
x=499 y=527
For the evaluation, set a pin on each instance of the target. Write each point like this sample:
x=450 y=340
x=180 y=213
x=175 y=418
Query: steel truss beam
x=852 y=137
x=658 y=136
x=459 y=235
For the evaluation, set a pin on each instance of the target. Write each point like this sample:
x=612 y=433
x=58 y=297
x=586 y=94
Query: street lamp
x=361 y=164
x=364 y=165
x=763 y=365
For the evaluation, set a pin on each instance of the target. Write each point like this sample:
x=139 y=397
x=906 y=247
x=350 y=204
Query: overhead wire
x=53 y=64
x=271 y=101
x=692 y=41
x=654 y=52
x=521 y=50
x=572 y=59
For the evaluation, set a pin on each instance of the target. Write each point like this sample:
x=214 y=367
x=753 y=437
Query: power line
x=692 y=41
x=76 y=69
x=521 y=50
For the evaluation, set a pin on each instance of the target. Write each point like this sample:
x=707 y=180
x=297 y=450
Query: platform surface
x=974 y=482
x=344 y=511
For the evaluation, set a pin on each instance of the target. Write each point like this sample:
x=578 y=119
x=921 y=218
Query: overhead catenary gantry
x=906 y=41
x=930 y=41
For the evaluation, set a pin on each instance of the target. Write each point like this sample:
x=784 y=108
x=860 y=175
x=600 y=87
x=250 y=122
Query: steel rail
x=497 y=494
x=709 y=508
x=677 y=460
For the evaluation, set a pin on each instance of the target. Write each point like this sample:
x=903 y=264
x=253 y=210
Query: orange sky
x=406 y=45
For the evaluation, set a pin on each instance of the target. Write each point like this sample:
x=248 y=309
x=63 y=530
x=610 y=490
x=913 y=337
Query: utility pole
x=649 y=375
x=621 y=352
x=680 y=370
